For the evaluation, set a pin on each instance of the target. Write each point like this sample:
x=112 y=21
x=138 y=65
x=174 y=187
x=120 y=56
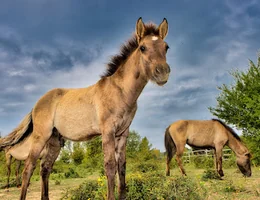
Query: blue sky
x=48 y=44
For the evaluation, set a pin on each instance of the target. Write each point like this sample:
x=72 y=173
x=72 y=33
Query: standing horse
x=20 y=152
x=106 y=108
x=213 y=134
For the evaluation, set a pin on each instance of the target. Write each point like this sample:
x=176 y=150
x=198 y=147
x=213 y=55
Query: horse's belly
x=21 y=150
x=77 y=124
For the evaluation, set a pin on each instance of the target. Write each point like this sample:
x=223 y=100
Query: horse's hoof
x=221 y=173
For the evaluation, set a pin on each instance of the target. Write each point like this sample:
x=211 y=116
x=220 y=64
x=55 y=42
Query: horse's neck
x=130 y=79
x=237 y=146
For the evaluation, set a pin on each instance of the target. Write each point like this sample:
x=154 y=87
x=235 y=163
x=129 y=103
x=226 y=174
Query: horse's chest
x=123 y=121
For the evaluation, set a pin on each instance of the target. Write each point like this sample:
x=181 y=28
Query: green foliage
x=57 y=182
x=83 y=192
x=239 y=104
x=133 y=143
x=94 y=154
x=71 y=174
x=157 y=186
x=88 y=190
x=78 y=153
x=66 y=151
x=149 y=186
x=148 y=166
x=210 y=174
x=145 y=149
x=203 y=162
x=229 y=187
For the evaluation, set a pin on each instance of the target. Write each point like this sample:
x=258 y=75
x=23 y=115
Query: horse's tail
x=170 y=148
x=18 y=134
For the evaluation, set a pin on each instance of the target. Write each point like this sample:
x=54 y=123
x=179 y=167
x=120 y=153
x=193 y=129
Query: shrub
x=210 y=174
x=203 y=162
x=148 y=166
x=57 y=182
x=148 y=186
x=157 y=186
x=85 y=191
x=71 y=174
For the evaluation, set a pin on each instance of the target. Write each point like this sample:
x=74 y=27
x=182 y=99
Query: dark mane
x=228 y=128
x=127 y=49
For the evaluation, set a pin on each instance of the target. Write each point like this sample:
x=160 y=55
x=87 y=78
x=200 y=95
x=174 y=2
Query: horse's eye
x=167 y=47
x=142 y=48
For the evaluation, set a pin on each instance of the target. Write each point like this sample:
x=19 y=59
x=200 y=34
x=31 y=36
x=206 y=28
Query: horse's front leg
x=121 y=163
x=108 y=144
x=218 y=155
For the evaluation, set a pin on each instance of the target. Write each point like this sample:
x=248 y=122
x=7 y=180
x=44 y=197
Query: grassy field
x=232 y=186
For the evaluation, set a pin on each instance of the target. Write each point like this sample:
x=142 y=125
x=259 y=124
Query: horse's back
x=198 y=132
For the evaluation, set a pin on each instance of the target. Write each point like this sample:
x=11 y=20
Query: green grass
x=232 y=186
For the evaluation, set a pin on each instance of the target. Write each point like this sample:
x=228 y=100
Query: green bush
x=147 y=166
x=230 y=162
x=203 y=162
x=83 y=192
x=156 y=186
x=210 y=174
x=143 y=186
x=57 y=182
x=71 y=174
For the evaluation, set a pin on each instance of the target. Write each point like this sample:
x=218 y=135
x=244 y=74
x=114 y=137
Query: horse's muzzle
x=162 y=73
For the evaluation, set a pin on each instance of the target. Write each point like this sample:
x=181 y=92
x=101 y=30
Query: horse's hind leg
x=46 y=167
x=168 y=161
x=17 y=172
x=8 y=165
x=179 y=152
x=39 y=141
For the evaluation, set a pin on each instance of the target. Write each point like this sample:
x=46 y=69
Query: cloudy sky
x=46 y=44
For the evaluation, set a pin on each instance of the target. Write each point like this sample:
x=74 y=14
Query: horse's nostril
x=157 y=70
x=168 y=69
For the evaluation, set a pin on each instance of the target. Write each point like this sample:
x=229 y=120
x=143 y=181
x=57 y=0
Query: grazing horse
x=20 y=151
x=205 y=134
x=106 y=108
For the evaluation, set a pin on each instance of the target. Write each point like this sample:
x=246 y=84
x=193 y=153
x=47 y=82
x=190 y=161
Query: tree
x=66 y=151
x=78 y=153
x=94 y=154
x=239 y=104
x=133 y=142
x=145 y=149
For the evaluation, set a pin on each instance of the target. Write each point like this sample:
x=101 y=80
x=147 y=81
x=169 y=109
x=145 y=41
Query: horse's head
x=152 y=50
x=243 y=163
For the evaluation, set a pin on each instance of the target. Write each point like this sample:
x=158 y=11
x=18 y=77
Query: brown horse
x=106 y=108
x=20 y=152
x=213 y=134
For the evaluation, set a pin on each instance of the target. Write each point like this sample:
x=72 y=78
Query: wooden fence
x=188 y=155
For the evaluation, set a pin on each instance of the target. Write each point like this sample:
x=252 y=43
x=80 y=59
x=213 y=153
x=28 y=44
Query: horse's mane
x=127 y=49
x=229 y=129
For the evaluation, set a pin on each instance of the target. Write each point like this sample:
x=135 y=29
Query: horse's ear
x=163 y=28
x=139 y=30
